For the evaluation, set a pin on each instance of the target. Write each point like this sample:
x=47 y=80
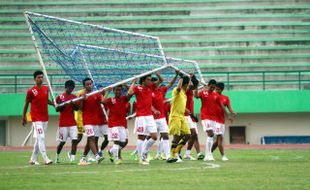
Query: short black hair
x=194 y=81
x=36 y=73
x=86 y=79
x=212 y=81
x=154 y=79
x=142 y=79
x=220 y=85
x=70 y=83
x=118 y=86
x=185 y=81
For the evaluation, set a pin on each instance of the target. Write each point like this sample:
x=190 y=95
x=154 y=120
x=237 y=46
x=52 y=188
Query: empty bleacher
x=249 y=44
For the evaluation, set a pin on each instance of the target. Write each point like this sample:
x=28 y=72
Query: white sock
x=188 y=152
x=148 y=145
x=166 y=148
x=72 y=157
x=35 y=151
x=159 y=148
x=209 y=143
x=41 y=141
x=57 y=156
x=140 y=147
x=115 y=150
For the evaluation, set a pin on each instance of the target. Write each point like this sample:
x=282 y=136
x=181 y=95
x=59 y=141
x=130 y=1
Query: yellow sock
x=178 y=148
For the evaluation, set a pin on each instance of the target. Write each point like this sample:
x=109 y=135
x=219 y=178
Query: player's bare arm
x=106 y=94
x=130 y=91
x=177 y=72
x=160 y=78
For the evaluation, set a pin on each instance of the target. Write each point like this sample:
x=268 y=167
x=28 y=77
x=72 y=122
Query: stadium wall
x=262 y=113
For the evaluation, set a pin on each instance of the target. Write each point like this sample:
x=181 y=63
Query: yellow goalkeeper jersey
x=78 y=114
x=178 y=105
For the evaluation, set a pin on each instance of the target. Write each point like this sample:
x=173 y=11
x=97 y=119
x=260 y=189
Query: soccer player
x=192 y=121
x=79 y=119
x=178 y=126
x=210 y=100
x=117 y=121
x=90 y=106
x=220 y=122
x=144 y=123
x=159 y=94
x=67 y=124
x=37 y=96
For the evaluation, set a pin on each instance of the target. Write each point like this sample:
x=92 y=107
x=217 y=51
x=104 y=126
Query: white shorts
x=219 y=129
x=91 y=130
x=208 y=125
x=145 y=125
x=102 y=130
x=191 y=123
x=127 y=133
x=161 y=125
x=117 y=134
x=65 y=132
x=39 y=129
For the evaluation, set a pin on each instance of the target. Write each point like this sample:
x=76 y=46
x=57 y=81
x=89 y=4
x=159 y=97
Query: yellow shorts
x=80 y=129
x=178 y=126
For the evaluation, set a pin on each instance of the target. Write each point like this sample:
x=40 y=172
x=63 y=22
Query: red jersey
x=144 y=100
x=117 y=111
x=38 y=97
x=209 y=100
x=158 y=101
x=91 y=106
x=102 y=120
x=220 y=113
x=66 y=117
x=189 y=102
x=134 y=107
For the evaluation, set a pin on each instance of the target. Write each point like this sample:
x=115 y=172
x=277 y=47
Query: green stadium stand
x=224 y=36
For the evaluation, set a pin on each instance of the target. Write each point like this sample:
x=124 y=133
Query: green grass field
x=246 y=169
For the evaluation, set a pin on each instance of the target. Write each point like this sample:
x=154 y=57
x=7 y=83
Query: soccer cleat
x=209 y=158
x=117 y=162
x=224 y=158
x=83 y=162
x=171 y=160
x=189 y=157
x=110 y=156
x=200 y=156
x=99 y=159
x=31 y=162
x=48 y=162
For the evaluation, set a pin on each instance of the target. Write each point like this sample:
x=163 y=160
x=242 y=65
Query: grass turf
x=246 y=169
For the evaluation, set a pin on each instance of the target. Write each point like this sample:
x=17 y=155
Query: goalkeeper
x=178 y=126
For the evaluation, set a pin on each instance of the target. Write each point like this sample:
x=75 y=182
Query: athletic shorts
x=161 y=125
x=145 y=125
x=67 y=132
x=102 y=130
x=178 y=126
x=39 y=129
x=117 y=134
x=219 y=129
x=91 y=130
x=191 y=123
x=208 y=125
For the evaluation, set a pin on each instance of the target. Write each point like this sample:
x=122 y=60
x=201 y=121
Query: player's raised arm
x=179 y=87
x=196 y=94
x=131 y=89
x=106 y=94
x=173 y=79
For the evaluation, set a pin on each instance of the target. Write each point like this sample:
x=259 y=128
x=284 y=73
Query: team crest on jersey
x=113 y=100
x=35 y=92
x=62 y=97
x=205 y=93
x=140 y=88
